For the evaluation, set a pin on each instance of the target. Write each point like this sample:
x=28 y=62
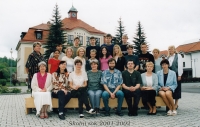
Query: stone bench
x=73 y=103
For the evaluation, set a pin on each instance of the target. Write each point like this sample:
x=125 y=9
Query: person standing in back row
x=75 y=46
x=144 y=57
x=124 y=44
x=59 y=48
x=92 y=46
x=109 y=45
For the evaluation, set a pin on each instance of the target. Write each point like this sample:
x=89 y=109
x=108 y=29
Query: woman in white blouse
x=69 y=60
x=78 y=83
x=80 y=55
x=149 y=88
x=176 y=65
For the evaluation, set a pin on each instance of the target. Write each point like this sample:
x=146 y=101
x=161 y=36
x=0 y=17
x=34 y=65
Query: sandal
x=42 y=115
x=46 y=115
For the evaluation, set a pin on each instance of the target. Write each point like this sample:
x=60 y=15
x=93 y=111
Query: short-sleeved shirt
x=131 y=79
x=74 y=51
x=143 y=59
x=132 y=57
x=54 y=64
x=110 y=48
x=92 y=47
x=94 y=80
x=124 y=49
x=70 y=63
x=60 y=81
x=78 y=80
x=32 y=63
x=111 y=80
x=104 y=63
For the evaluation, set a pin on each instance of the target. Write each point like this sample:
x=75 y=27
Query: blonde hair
x=120 y=51
x=149 y=64
x=71 y=50
x=78 y=50
x=173 y=47
x=125 y=35
x=156 y=50
x=93 y=50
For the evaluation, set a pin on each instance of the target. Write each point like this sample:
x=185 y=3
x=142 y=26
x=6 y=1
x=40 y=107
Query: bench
x=73 y=103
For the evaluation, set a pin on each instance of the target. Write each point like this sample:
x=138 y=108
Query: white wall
x=187 y=60
x=196 y=64
x=85 y=34
x=20 y=63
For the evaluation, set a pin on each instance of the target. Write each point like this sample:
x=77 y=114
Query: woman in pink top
x=104 y=56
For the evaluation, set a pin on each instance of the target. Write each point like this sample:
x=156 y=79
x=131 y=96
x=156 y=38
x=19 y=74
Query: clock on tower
x=73 y=12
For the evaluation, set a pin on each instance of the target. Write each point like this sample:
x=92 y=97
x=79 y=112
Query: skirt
x=40 y=99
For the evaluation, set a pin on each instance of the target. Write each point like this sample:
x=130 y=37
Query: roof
x=73 y=9
x=41 y=27
x=71 y=23
x=190 y=47
x=164 y=52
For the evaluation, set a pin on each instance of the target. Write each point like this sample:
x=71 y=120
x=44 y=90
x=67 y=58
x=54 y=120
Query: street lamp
x=11 y=66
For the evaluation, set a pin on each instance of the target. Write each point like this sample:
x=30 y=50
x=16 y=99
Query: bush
x=3 y=82
x=4 y=89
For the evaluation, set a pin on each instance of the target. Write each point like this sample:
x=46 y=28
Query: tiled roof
x=71 y=23
x=68 y=24
x=30 y=36
x=164 y=52
x=190 y=47
x=41 y=27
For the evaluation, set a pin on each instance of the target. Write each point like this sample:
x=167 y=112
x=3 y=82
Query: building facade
x=191 y=59
x=72 y=26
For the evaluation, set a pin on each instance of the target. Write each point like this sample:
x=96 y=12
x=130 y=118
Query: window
x=183 y=64
x=81 y=40
x=87 y=41
x=38 y=34
x=70 y=39
x=97 y=41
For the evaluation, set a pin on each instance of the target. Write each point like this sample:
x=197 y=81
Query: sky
x=165 y=22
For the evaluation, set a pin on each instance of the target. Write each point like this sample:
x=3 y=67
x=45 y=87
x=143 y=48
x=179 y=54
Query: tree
x=139 y=39
x=120 y=32
x=56 y=33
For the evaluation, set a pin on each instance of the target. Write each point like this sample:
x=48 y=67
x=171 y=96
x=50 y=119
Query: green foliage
x=4 y=89
x=3 y=82
x=56 y=33
x=139 y=38
x=7 y=62
x=120 y=32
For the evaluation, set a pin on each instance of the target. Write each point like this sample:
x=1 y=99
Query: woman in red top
x=53 y=63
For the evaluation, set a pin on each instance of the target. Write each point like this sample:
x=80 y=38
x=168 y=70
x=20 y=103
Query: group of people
x=107 y=71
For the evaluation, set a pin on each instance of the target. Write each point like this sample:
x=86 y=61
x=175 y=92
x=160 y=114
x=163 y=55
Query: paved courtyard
x=12 y=114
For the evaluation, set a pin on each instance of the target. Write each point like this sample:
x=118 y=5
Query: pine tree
x=139 y=39
x=120 y=32
x=56 y=33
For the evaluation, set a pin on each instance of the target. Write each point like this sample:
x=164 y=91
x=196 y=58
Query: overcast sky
x=165 y=22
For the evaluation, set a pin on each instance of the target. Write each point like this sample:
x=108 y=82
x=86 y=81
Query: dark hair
x=129 y=46
x=78 y=61
x=56 y=50
x=164 y=61
x=58 y=70
x=108 y=35
x=76 y=38
x=92 y=38
x=130 y=60
x=101 y=54
x=111 y=60
x=58 y=44
x=143 y=44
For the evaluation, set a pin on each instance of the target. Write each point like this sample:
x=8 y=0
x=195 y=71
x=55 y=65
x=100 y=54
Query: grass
x=21 y=84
